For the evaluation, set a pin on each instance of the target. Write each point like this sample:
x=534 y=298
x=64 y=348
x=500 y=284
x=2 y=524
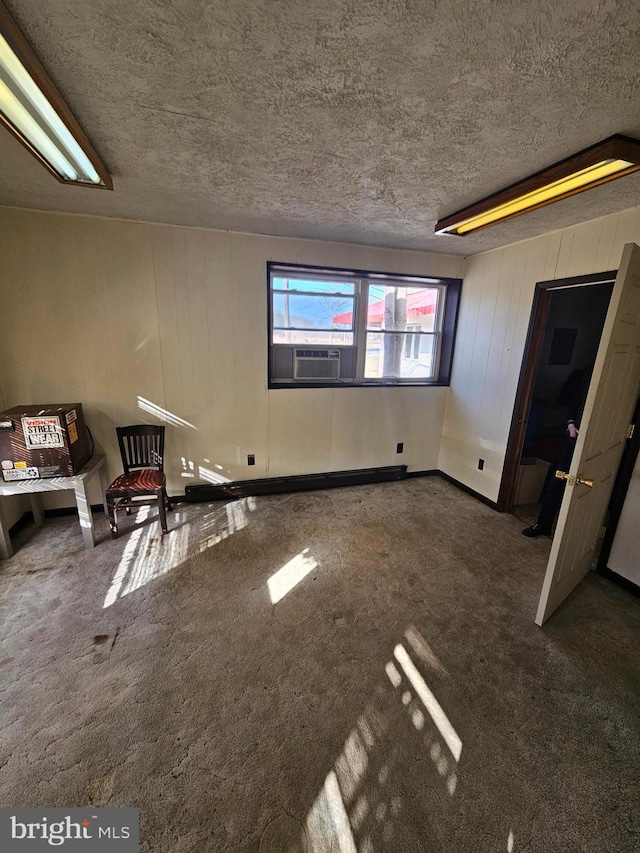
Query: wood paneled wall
x=497 y=298
x=133 y=319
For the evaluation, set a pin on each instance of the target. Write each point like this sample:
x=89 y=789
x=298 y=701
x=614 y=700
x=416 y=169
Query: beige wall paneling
x=188 y=271
x=604 y=259
x=363 y=428
x=457 y=432
x=567 y=239
x=627 y=231
x=29 y=302
x=578 y=250
x=300 y=430
x=99 y=302
x=131 y=347
x=481 y=371
x=67 y=370
x=218 y=440
x=507 y=302
x=318 y=254
x=367 y=424
x=419 y=416
x=249 y=269
x=170 y=398
x=347 y=256
x=513 y=272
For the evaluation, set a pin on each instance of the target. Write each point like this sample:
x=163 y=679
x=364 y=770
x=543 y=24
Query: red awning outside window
x=419 y=302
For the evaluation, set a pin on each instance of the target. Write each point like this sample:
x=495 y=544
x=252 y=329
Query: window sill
x=279 y=386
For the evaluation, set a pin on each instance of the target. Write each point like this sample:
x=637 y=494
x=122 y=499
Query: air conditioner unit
x=317 y=364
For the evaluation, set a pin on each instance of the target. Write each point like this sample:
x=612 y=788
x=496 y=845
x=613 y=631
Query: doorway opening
x=565 y=328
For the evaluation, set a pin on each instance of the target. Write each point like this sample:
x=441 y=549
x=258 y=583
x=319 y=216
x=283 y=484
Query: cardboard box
x=43 y=441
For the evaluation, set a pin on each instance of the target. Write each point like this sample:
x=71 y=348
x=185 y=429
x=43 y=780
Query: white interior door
x=607 y=414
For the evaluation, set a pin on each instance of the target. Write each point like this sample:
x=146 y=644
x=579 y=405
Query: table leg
x=6 y=550
x=84 y=513
x=36 y=508
x=104 y=485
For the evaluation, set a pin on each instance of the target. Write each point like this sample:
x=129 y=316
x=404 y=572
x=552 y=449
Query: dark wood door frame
x=530 y=361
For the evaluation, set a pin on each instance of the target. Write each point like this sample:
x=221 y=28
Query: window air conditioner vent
x=317 y=364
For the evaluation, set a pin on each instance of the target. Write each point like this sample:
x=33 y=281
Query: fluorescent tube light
x=612 y=158
x=34 y=111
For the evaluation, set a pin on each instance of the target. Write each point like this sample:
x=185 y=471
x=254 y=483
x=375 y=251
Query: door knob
x=571 y=480
x=584 y=481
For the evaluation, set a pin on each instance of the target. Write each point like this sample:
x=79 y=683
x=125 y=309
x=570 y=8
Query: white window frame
x=437 y=333
x=312 y=277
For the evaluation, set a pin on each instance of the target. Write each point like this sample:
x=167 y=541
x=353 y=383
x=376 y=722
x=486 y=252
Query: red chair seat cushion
x=145 y=480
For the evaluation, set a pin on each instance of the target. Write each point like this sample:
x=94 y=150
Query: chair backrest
x=141 y=446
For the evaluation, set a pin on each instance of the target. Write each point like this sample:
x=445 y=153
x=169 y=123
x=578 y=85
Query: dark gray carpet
x=398 y=697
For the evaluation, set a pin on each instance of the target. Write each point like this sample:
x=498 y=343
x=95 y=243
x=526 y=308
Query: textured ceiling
x=353 y=120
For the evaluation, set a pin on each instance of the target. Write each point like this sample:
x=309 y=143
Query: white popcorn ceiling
x=352 y=120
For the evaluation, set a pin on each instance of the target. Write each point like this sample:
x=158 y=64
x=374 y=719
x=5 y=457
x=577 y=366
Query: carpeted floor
x=329 y=672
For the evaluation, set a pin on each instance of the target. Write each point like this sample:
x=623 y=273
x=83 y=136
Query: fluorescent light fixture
x=33 y=110
x=612 y=158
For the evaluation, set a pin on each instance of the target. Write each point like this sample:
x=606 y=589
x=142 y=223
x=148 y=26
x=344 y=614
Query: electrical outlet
x=251 y=459
x=480 y=464
x=400 y=447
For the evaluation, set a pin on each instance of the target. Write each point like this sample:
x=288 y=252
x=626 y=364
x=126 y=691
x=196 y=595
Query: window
x=309 y=311
x=341 y=327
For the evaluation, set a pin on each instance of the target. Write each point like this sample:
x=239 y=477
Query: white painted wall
x=105 y=312
x=497 y=297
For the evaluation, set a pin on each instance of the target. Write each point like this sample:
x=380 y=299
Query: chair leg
x=113 y=521
x=167 y=501
x=162 y=510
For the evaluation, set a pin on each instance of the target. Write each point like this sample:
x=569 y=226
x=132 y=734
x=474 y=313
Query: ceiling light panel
x=34 y=111
x=610 y=159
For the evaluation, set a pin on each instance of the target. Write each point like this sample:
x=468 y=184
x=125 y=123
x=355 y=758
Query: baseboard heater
x=207 y=492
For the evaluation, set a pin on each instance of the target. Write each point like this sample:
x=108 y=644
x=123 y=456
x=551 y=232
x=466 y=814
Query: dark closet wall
x=574 y=326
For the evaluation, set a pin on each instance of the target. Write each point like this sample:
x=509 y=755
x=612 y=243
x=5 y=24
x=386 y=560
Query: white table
x=33 y=488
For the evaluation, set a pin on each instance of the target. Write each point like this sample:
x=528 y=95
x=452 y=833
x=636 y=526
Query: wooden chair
x=143 y=481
